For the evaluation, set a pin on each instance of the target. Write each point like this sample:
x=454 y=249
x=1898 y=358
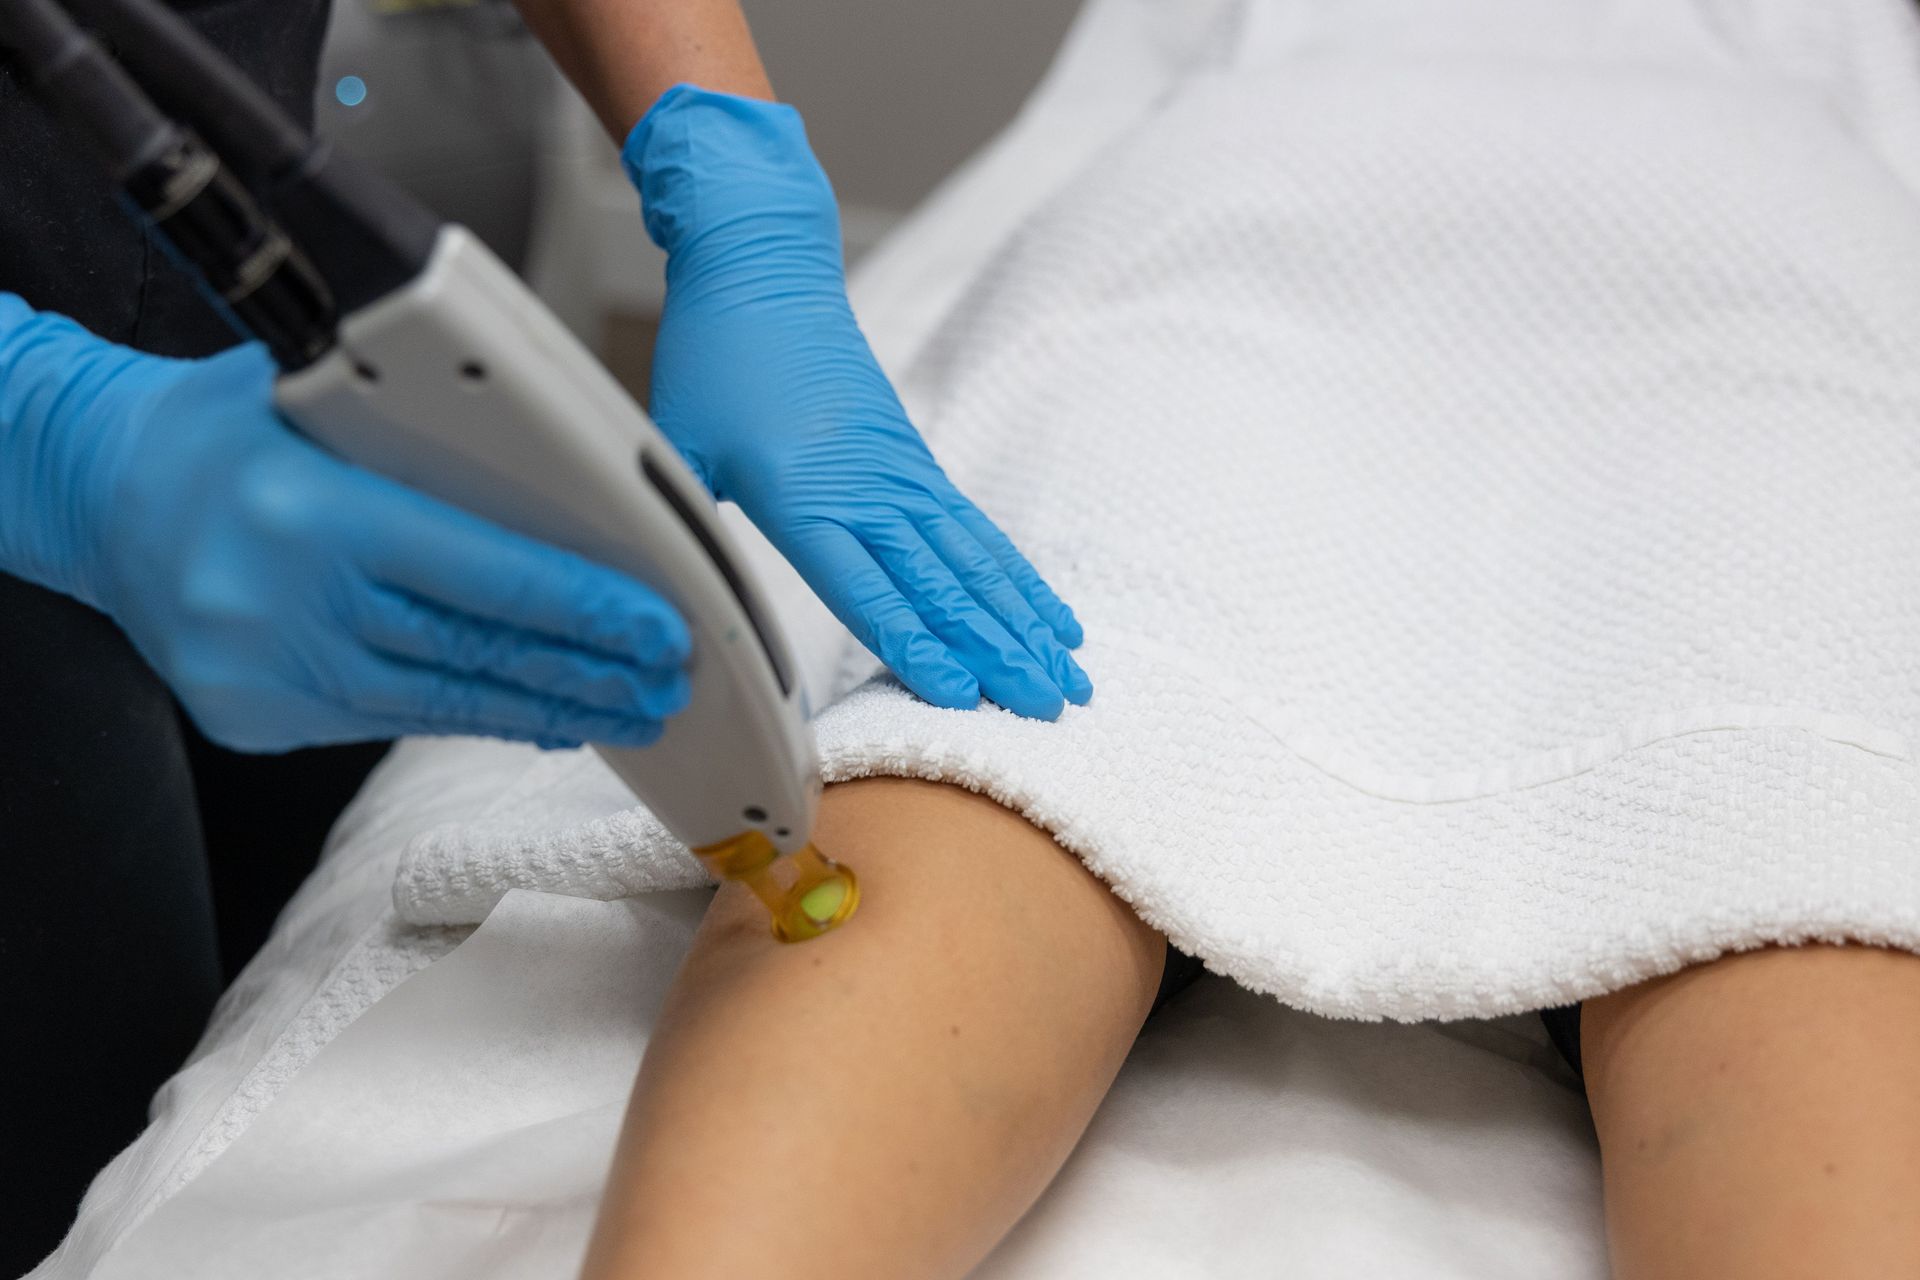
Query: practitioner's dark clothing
x=128 y=901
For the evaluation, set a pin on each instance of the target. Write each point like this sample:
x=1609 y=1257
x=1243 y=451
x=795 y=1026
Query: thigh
x=107 y=961
x=911 y=1082
x=1759 y=1117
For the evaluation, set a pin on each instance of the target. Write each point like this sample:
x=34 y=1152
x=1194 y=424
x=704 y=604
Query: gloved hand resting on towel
x=764 y=381
x=289 y=598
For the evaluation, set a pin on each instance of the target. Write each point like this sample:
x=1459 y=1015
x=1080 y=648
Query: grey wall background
x=895 y=92
x=898 y=92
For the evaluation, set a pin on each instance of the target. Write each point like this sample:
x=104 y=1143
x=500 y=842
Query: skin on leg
x=1759 y=1117
x=886 y=1100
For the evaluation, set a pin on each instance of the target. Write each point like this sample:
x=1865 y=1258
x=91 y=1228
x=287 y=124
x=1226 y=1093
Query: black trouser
x=108 y=959
x=140 y=864
x=122 y=921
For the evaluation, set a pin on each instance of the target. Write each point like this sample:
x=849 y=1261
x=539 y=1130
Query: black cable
x=85 y=86
x=176 y=185
x=188 y=77
x=366 y=237
x=39 y=33
x=362 y=237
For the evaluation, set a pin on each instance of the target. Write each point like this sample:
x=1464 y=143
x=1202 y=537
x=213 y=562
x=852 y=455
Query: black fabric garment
x=1563 y=1028
x=126 y=890
x=1177 y=972
x=1180 y=971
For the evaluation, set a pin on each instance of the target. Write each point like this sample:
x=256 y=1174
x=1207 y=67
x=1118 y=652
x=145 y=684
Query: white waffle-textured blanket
x=1482 y=440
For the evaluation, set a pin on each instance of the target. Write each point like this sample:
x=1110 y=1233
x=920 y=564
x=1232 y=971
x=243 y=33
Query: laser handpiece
x=408 y=348
x=461 y=384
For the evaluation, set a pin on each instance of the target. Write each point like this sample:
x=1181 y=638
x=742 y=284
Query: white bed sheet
x=1241 y=1139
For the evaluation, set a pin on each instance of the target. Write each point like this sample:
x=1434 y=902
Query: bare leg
x=1759 y=1117
x=885 y=1101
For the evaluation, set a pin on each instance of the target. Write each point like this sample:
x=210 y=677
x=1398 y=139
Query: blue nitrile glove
x=762 y=378
x=291 y=599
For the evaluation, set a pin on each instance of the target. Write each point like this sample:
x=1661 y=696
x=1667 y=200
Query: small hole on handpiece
x=365 y=372
x=473 y=371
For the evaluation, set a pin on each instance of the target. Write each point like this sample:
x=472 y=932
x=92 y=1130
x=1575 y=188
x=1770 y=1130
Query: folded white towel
x=1483 y=442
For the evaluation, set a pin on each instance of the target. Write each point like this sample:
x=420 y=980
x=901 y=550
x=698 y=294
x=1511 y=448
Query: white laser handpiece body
x=464 y=386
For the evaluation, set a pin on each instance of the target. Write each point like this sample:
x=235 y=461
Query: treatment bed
x=378 y=1098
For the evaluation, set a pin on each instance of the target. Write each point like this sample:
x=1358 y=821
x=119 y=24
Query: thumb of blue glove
x=289 y=598
x=764 y=381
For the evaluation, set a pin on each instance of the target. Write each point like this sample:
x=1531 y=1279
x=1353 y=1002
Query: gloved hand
x=763 y=380
x=289 y=598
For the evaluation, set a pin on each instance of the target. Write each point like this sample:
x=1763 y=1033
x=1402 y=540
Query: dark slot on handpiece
x=691 y=518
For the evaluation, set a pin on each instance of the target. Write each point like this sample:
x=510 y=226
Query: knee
x=942 y=868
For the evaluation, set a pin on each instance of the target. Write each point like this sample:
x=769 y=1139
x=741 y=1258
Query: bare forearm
x=623 y=54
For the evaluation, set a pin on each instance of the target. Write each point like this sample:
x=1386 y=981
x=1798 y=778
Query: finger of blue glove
x=867 y=602
x=414 y=698
x=446 y=557
x=987 y=580
x=1049 y=606
x=1006 y=671
x=401 y=627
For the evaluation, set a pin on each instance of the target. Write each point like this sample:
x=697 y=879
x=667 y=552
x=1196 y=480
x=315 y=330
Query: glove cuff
x=712 y=164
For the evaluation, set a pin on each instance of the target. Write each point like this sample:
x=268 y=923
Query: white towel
x=1483 y=443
